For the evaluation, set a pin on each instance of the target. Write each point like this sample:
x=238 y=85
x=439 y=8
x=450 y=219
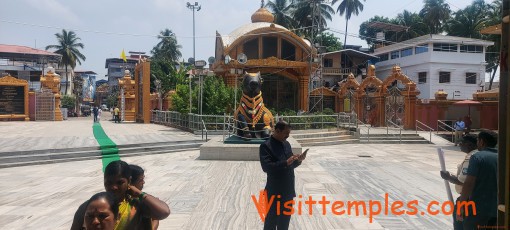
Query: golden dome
x=262 y=15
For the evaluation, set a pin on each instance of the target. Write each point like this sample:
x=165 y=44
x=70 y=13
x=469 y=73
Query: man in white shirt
x=469 y=146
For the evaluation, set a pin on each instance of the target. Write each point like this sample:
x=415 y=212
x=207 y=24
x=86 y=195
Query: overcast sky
x=108 y=26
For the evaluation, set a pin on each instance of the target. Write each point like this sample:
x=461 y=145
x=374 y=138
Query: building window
x=406 y=52
x=328 y=62
x=251 y=49
x=383 y=57
x=270 y=47
x=421 y=49
x=288 y=51
x=471 y=49
x=444 y=77
x=422 y=77
x=470 y=78
x=395 y=54
x=445 y=47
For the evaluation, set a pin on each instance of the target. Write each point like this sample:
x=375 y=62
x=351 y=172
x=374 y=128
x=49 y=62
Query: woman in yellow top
x=134 y=205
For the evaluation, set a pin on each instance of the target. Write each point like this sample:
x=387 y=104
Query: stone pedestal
x=215 y=149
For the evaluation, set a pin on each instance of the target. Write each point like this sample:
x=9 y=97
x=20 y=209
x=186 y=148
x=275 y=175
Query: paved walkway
x=77 y=132
x=217 y=194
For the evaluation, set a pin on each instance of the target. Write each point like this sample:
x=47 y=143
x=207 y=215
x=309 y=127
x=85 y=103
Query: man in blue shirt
x=459 y=127
x=481 y=185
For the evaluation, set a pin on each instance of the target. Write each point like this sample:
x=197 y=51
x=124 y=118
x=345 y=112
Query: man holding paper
x=468 y=145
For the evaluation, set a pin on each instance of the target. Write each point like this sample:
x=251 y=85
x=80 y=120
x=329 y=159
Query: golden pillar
x=410 y=105
x=128 y=88
x=303 y=93
x=51 y=81
x=380 y=118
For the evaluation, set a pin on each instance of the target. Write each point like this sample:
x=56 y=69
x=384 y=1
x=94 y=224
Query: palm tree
x=68 y=48
x=281 y=10
x=303 y=12
x=415 y=25
x=348 y=7
x=469 y=21
x=167 y=48
x=435 y=13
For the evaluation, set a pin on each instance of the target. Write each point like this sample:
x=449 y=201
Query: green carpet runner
x=108 y=148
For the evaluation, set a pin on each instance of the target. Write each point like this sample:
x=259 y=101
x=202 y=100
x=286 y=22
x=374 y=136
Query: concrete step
x=335 y=142
x=321 y=134
x=49 y=156
x=392 y=141
x=324 y=139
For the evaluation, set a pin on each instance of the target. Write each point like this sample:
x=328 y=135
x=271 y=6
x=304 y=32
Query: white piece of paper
x=440 y=153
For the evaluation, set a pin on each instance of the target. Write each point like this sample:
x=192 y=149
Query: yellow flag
x=123 y=56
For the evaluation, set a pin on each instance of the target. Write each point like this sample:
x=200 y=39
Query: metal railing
x=394 y=127
x=425 y=128
x=205 y=128
x=360 y=123
x=443 y=126
x=303 y=122
x=190 y=122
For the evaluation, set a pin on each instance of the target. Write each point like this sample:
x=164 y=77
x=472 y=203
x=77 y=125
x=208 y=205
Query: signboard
x=12 y=99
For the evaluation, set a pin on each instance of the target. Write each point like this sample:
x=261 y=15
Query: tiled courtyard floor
x=217 y=194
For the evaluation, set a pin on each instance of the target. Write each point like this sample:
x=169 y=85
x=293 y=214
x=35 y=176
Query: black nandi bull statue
x=254 y=120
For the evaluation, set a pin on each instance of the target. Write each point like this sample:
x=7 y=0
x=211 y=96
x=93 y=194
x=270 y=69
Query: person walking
x=278 y=161
x=94 y=113
x=99 y=112
x=481 y=184
x=116 y=113
x=459 y=127
x=469 y=146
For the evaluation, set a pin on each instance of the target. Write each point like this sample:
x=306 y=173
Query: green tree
x=368 y=33
x=469 y=21
x=303 y=12
x=348 y=8
x=169 y=74
x=167 y=48
x=68 y=47
x=68 y=102
x=329 y=40
x=435 y=13
x=492 y=53
x=282 y=10
x=415 y=23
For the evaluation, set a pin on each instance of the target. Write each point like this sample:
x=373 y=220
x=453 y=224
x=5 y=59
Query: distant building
x=100 y=82
x=27 y=63
x=337 y=65
x=453 y=64
x=116 y=67
x=88 y=85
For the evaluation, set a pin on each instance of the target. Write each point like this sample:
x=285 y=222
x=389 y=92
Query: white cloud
x=54 y=9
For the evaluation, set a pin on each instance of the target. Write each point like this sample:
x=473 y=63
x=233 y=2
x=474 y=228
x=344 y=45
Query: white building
x=454 y=64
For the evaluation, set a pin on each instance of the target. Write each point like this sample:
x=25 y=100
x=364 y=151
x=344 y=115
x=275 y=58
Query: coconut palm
x=469 y=21
x=68 y=47
x=303 y=12
x=348 y=8
x=167 y=48
x=415 y=24
x=282 y=10
x=435 y=13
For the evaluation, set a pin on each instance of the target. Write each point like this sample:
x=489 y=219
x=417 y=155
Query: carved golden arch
x=344 y=89
x=410 y=93
x=397 y=75
x=372 y=80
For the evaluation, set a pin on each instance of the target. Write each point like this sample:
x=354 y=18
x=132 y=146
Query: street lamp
x=194 y=7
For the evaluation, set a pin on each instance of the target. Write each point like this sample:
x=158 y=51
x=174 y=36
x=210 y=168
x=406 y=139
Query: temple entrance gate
x=45 y=105
x=370 y=110
x=394 y=106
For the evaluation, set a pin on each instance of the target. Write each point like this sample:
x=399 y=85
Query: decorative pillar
x=380 y=111
x=410 y=105
x=442 y=104
x=303 y=93
x=127 y=86
x=51 y=81
x=230 y=80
